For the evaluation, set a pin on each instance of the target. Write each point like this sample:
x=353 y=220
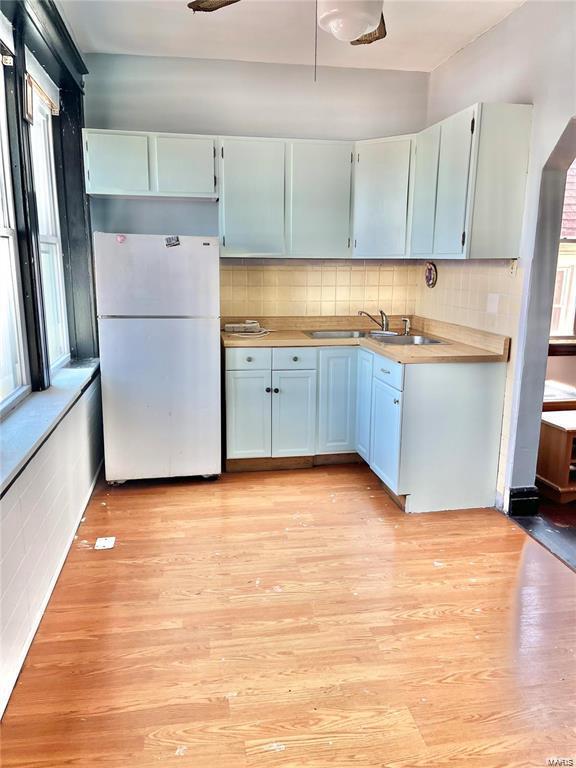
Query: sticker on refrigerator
x=171 y=241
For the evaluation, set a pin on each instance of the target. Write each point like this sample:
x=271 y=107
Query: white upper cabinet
x=149 y=164
x=381 y=188
x=319 y=180
x=500 y=174
x=252 y=197
x=426 y=150
x=184 y=165
x=472 y=206
x=116 y=163
x=452 y=188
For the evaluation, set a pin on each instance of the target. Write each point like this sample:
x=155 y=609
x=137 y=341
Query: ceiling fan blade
x=210 y=5
x=371 y=37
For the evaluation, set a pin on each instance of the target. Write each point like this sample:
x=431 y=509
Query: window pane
x=49 y=233
x=11 y=370
x=54 y=304
x=42 y=165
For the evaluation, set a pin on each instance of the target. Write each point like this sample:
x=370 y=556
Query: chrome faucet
x=406 y=321
x=383 y=322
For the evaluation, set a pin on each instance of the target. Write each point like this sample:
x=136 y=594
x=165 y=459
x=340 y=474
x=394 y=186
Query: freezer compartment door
x=138 y=275
x=161 y=397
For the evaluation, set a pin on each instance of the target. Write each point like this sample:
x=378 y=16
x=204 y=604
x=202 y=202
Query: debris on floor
x=105 y=542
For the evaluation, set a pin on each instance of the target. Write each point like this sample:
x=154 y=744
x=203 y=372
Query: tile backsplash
x=284 y=287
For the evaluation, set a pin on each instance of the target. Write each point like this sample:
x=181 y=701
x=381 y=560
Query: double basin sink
x=383 y=337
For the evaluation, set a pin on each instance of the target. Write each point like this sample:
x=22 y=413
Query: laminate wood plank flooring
x=297 y=619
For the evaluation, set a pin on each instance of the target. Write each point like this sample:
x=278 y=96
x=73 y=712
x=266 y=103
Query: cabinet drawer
x=287 y=358
x=250 y=358
x=389 y=372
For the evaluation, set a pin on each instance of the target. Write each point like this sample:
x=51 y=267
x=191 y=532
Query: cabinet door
x=248 y=414
x=337 y=400
x=293 y=413
x=364 y=403
x=381 y=199
x=116 y=163
x=185 y=166
x=426 y=151
x=386 y=433
x=318 y=211
x=252 y=197
x=453 y=178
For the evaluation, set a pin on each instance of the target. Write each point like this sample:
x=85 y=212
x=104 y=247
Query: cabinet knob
x=295 y=358
x=249 y=359
x=384 y=370
x=276 y=390
x=268 y=389
x=396 y=401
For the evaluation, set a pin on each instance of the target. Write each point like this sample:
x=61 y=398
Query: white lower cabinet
x=337 y=400
x=293 y=413
x=386 y=433
x=364 y=403
x=248 y=414
x=430 y=432
x=271 y=408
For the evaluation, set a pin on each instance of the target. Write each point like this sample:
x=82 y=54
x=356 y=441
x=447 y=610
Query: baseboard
x=524 y=502
x=35 y=624
x=290 y=462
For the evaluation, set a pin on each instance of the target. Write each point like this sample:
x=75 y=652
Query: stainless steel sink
x=409 y=340
x=337 y=334
x=349 y=334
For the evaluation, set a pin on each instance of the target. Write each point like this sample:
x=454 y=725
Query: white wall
x=39 y=515
x=242 y=98
x=530 y=57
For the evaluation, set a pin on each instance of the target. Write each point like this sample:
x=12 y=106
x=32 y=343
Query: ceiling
x=421 y=33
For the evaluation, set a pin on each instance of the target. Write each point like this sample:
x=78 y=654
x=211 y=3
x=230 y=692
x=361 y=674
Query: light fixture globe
x=348 y=20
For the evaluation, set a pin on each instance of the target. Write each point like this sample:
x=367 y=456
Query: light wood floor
x=297 y=619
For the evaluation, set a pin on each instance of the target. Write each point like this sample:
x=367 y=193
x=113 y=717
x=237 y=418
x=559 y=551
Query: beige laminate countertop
x=451 y=351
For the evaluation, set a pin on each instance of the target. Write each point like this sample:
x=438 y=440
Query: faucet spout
x=382 y=323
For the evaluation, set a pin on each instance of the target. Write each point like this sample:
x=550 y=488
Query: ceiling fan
x=359 y=23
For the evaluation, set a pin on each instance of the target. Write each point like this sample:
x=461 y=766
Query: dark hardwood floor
x=297 y=619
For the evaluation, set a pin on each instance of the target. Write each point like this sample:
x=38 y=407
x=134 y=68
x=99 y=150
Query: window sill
x=26 y=427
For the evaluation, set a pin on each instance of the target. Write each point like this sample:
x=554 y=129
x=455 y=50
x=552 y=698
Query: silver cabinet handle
x=396 y=401
x=384 y=370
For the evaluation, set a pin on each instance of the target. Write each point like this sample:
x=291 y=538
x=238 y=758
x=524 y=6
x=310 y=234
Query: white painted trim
x=38 y=73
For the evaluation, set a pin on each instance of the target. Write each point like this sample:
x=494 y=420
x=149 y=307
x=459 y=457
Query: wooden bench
x=556 y=471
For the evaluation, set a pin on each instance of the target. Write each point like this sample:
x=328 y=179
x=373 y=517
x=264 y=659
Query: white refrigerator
x=158 y=308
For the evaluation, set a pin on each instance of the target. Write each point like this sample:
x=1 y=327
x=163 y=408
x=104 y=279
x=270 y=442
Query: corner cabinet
x=252 y=197
x=337 y=400
x=381 y=194
x=470 y=174
x=124 y=163
x=364 y=403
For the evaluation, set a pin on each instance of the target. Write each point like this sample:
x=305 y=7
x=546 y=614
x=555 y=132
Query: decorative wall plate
x=430 y=274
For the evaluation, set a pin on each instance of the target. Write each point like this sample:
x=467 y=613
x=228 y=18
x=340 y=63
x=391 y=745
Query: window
x=564 y=306
x=13 y=358
x=49 y=232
